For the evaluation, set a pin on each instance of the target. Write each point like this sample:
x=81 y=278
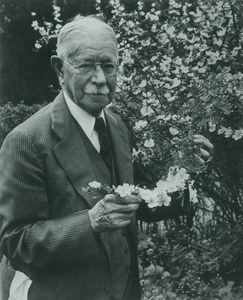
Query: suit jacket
x=45 y=230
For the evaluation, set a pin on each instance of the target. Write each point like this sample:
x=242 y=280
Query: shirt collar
x=85 y=120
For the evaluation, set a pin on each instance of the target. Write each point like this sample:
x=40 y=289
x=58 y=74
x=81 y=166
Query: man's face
x=92 y=93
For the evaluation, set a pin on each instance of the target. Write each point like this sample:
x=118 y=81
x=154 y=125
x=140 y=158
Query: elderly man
x=58 y=241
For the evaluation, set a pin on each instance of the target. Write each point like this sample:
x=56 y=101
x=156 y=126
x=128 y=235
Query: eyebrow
x=102 y=61
x=90 y=58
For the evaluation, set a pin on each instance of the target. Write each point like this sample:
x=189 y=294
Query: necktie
x=105 y=149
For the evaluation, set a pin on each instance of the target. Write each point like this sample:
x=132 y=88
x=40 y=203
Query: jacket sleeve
x=28 y=236
x=180 y=204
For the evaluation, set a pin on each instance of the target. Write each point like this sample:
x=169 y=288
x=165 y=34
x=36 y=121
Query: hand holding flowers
x=113 y=212
x=176 y=181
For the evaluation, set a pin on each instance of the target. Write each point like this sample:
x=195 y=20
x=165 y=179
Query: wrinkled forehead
x=94 y=43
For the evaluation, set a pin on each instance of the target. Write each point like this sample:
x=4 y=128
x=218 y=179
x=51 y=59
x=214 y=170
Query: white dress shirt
x=85 y=120
x=19 y=287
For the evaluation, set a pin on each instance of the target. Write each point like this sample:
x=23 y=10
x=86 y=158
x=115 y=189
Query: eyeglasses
x=88 y=68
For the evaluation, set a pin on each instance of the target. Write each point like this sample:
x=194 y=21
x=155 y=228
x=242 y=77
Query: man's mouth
x=97 y=94
x=96 y=90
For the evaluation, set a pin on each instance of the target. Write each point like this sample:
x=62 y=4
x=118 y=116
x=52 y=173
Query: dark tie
x=105 y=149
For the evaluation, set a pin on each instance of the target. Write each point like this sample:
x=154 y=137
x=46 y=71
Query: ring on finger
x=107 y=219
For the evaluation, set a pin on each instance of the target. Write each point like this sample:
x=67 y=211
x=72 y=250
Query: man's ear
x=57 y=65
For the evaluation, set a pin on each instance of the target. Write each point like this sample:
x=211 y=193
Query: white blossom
x=124 y=190
x=140 y=124
x=95 y=184
x=149 y=143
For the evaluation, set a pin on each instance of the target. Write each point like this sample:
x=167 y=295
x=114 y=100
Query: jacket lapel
x=78 y=157
x=81 y=165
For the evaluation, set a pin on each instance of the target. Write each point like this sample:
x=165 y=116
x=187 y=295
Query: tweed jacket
x=45 y=231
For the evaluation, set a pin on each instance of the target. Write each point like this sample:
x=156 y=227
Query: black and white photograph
x=121 y=150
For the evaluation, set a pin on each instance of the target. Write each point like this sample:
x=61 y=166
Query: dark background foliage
x=26 y=74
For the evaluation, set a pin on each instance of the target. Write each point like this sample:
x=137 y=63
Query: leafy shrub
x=178 y=265
x=12 y=115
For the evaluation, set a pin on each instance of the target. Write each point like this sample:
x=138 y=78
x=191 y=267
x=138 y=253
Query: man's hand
x=206 y=148
x=113 y=212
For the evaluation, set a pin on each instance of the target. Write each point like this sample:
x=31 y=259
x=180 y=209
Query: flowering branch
x=176 y=180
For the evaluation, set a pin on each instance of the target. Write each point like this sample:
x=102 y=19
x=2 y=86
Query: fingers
x=114 y=203
x=206 y=148
x=199 y=160
x=114 y=221
x=120 y=208
x=132 y=199
x=205 y=155
x=205 y=143
x=113 y=212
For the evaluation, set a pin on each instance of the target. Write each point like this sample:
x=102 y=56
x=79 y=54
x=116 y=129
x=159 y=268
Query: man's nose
x=98 y=76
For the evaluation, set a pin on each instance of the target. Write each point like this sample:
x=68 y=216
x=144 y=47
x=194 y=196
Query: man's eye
x=108 y=68
x=86 y=67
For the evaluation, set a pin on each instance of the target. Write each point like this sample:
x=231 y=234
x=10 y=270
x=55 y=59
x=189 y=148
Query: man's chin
x=95 y=111
x=94 y=103
x=98 y=99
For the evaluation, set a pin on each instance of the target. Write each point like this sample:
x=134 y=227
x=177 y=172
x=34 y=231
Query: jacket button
x=127 y=267
x=105 y=291
x=123 y=232
x=126 y=249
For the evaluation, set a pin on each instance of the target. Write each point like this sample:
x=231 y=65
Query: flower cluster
x=47 y=30
x=173 y=82
x=161 y=195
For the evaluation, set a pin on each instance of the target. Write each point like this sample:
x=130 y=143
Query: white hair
x=71 y=34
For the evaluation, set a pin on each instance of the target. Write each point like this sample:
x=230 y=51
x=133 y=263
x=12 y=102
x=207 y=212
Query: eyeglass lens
x=88 y=68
